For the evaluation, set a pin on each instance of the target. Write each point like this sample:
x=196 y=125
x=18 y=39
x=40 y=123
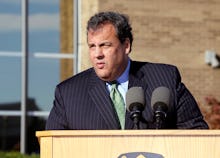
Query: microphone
x=135 y=103
x=160 y=101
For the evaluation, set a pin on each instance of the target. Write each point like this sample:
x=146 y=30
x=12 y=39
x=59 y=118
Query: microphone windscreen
x=134 y=96
x=160 y=95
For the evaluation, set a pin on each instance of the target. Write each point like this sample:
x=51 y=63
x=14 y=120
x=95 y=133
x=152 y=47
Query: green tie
x=118 y=102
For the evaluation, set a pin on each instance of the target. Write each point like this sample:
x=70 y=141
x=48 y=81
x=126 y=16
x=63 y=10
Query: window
x=43 y=70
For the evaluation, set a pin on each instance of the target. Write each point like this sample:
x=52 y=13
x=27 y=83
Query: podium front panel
x=125 y=144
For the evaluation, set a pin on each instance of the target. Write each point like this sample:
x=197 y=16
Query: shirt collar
x=124 y=77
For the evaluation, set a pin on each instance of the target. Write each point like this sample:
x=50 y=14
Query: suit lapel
x=101 y=99
x=136 y=79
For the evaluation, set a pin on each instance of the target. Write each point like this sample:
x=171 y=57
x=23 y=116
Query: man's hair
x=119 y=21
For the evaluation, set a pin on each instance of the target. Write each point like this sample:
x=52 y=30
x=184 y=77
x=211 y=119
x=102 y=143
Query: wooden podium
x=129 y=143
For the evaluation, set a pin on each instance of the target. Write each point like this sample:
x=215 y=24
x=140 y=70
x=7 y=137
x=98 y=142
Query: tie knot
x=114 y=84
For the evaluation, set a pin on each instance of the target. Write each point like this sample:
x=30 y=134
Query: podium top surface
x=59 y=133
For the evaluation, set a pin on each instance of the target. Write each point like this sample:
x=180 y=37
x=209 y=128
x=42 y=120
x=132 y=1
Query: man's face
x=108 y=55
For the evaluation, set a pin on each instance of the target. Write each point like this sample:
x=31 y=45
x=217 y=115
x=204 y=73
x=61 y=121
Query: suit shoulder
x=81 y=77
x=153 y=66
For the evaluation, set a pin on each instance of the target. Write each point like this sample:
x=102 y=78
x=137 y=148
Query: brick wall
x=66 y=37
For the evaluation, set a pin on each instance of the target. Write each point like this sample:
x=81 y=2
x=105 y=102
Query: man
x=84 y=101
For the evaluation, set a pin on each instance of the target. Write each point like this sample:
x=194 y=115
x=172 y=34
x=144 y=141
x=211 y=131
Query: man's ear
x=127 y=46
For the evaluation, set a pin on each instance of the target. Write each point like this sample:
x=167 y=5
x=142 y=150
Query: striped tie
x=118 y=102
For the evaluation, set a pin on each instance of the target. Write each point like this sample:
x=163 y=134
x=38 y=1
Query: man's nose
x=98 y=52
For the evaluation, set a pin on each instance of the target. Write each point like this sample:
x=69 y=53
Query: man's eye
x=91 y=46
x=106 y=45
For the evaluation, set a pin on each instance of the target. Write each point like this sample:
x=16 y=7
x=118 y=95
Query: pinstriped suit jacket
x=83 y=102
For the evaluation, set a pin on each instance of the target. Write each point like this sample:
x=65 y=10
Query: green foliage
x=15 y=154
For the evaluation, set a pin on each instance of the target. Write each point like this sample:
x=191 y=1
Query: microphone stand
x=159 y=119
x=136 y=116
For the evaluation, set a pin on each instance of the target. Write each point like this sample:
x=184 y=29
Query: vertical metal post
x=75 y=39
x=24 y=74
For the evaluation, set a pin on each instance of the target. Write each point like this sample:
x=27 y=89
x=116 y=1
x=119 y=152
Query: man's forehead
x=101 y=27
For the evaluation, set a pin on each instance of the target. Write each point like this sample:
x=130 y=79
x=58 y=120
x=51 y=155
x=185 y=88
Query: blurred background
x=43 y=42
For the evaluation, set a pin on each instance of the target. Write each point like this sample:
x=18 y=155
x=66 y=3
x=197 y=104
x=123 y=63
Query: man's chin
x=103 y=77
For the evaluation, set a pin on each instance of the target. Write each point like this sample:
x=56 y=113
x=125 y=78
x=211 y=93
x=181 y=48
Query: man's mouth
x=100 y=65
